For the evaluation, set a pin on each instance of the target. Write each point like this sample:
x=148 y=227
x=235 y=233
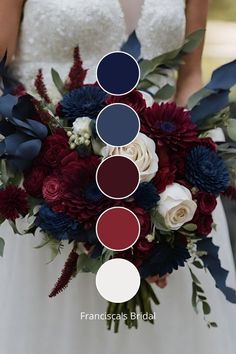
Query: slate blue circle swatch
x=117 y=124
x=118 y=73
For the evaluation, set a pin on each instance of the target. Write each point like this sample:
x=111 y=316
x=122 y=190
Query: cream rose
x=217 y=135
x=142 y=151
x=176 y=206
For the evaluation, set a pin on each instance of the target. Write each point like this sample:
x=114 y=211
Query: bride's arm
x=190 y=74
x=10 y=16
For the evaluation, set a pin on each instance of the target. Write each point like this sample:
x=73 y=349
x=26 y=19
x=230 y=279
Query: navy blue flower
x=206 y=170
x=165 y=258
x=58 y=225
x=146 y=196
x=86 y=101
x=23 y=135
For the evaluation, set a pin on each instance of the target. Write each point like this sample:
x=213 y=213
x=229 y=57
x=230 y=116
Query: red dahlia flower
x=134 y=99
x=13 y=202
x=168 y=125
x=81 y=198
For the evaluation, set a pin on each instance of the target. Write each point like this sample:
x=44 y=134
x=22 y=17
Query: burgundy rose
x=55 y=148
x=204 y=223
x=13 y=202
x=133 y=99
x=52 y=189
x=166 y=170
x=33 y=181
x=206 y=202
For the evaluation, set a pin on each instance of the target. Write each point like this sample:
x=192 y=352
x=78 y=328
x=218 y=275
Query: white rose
x=217 y=135
x=148 y=98
x=176 y=206
x=142 y=151
x=81 y=126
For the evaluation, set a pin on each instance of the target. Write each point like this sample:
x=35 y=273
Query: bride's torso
x=51 y=29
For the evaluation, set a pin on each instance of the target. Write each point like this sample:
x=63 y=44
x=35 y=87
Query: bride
x=42 y=34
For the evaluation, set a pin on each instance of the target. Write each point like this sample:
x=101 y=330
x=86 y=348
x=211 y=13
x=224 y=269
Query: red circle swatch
x=118 y=228
x=117 y=177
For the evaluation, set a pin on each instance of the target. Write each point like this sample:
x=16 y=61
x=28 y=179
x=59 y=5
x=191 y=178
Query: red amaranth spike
x=66 y=274
x=77 y=73
x=43 y=115
x=230 y=193
x=40 y=86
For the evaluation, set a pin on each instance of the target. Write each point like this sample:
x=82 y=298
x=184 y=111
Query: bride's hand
x=159 y=281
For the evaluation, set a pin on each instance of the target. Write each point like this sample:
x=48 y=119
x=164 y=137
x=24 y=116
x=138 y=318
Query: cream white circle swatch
x=118 y=280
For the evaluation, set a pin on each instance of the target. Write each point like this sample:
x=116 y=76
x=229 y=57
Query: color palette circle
x=118 y=73
x=118 y=228
x=117 y=177
x=117 y=124
x=118 y=280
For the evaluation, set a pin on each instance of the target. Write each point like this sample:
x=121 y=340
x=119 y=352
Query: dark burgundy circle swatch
x=117 y=177
x=118 y=73
x=118 y=228
x=117 y=124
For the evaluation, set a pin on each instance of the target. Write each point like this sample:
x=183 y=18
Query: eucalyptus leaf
x=58 y=81
x=190 y=227
x=193 y=40
x=231 y=129
x=165 y=92
x=2 y=245
x=206 y=308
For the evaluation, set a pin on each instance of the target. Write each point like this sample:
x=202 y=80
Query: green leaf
x=206 y=308
x=165 y=93
x=213 y=324
x=190 y=227
x=194 y=278
x=198 y=264
x=2 y=245
x=231 y=129
x=194 y=297
x=193 y=40
x=3 y=172
x=58 y=81
x=197 y=97
x=158 y=220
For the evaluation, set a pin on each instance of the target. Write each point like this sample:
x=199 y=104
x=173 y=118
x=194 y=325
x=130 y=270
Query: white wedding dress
x=30 y=322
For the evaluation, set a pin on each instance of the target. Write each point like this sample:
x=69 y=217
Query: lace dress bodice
x=51 y=29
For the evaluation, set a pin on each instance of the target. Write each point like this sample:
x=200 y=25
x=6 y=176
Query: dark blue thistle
x=146 y=196
x=86 y=101
x=206 y=170
x=165 y=258
x=23 y=135
x=58 y=225
x=93 y=194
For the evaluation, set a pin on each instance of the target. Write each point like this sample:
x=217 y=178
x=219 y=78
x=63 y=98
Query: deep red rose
x=206 y=202
x=55 y=148
x=133 y=99
x=204 y=223
x=13 y=202
x=168 y=125
x=166 y=170
x=33 y=181
x=52 y=189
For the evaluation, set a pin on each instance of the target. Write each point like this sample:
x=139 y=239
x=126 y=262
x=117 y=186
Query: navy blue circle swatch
x=117 y=124
x=118 y=73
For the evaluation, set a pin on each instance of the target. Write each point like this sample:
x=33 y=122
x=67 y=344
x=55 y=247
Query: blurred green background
x=223 y=10
x=221 y=36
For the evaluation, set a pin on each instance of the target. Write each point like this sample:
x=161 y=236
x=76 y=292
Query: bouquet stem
x=129 y=312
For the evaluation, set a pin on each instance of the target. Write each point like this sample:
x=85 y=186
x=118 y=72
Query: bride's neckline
x=128 y=13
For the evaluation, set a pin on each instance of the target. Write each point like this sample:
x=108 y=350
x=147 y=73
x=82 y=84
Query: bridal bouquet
x=50 y=153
